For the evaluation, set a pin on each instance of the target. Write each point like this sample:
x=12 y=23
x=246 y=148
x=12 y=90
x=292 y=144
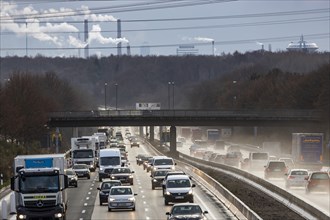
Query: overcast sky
x=56 y=28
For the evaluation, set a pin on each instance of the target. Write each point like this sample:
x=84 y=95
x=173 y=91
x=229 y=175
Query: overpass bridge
x=266 y=118
x=173 y=118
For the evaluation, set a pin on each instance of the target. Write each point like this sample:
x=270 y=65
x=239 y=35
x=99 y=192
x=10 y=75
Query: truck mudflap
x=57 y=212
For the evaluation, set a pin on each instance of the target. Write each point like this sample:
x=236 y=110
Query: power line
x=275 y=22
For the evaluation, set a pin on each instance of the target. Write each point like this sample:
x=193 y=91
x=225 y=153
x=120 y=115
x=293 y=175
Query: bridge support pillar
x=75 y=132
x=152 y=133
x=173 y=152
x=141 y=131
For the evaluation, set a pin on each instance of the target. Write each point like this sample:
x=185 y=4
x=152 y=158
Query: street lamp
x=235 y=96
x=105 y=96
x=173 y=95
x=169 y=95
x=116 y=85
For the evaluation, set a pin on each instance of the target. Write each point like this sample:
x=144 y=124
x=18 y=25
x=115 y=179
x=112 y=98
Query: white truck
x=103 y=139
x=84 y=151
x=108 y=159
x=40 y=186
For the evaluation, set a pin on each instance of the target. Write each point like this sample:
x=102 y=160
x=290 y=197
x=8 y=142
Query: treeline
x=27 y=98
x=145 y=79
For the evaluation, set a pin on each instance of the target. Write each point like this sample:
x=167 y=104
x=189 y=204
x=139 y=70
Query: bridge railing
x=193 y=113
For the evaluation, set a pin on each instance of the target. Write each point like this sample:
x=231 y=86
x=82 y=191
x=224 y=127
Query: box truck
x=307 y=147
x=40 y=186
x=84 y=151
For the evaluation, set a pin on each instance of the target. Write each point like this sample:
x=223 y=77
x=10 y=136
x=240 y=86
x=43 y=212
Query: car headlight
x=154 y=180
x=173 y=167
x=167 y=193
x=131 y=199
x=101 y=168
x=155 y=168
x=112 y=177
x=111 y=199
x=130 y=176
x=190 y=192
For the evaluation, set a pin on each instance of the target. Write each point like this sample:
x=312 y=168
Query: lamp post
x=116 y=85
x=235 y=96
x=105 y=96
x=169 y=95
x=173 y=96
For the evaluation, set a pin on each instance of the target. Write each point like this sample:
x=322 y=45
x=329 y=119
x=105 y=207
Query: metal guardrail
x=313 y=211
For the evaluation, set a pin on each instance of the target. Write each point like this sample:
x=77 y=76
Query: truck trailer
x=307 y=147
x=84 y=151
x=40 y=186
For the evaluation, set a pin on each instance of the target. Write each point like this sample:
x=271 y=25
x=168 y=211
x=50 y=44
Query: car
x=140 y=158
x=72 y=177
x=317 y=181
x=296 y=178
x=121 y=197
x=275 y=169
x=184 y=211
x=171 y=173
x=232 y=158
x=207 y=155
x=162 y=162
x=157 y=178
x=178 y=189
x=135 y=142
x=288 y=161
x=124 y=174
x=82 y=170
x=325 y=169
x=147 y=164
x=104 y=189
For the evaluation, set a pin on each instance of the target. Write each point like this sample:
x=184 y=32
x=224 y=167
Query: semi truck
x=40 y=186
x=212 y=135
x=307 y=147
x=186 y=132
x=196 y=134
x=84 y=151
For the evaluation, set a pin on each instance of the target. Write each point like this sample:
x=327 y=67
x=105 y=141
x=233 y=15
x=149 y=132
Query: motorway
x=319 y=200
x=84 y=201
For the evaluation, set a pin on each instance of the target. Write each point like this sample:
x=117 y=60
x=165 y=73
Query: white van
x=108 y=159
x=162 y=162
x=257 y=160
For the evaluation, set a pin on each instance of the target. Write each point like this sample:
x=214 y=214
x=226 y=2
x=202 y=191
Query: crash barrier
x=241 y=207
x=273 y=188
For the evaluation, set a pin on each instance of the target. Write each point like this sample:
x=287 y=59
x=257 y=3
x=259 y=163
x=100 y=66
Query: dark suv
x=157 y=178
x=105 y=188
x=275 y=169
x=124 y=174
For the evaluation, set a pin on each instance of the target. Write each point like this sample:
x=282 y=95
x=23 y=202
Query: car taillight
x=291 y=177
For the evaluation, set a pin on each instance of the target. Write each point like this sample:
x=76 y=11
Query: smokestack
x=262 y=47
x=128 y=50
x=269 y=47
x=119 y=36
x=213 y=47
x=86 y=38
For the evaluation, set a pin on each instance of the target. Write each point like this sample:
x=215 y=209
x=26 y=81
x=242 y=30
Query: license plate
x=80 y=174
x=179 y=197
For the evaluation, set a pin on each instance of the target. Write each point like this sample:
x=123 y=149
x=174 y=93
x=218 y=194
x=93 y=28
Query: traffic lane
x=81 y=199
x=202 y=196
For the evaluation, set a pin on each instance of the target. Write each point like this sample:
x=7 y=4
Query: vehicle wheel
x=191 y=201
x=152 y=187
x=166 y=202
x=76 y=185
x=100 y=202
x=131 y=183
x=100 y=179
x=88 y=177
x=109 y=210
x=133 y=209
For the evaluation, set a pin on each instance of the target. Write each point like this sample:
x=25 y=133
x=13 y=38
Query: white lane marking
x=85 y=204
x=204 y=205
x=87 y=198
x=89 y=193
x=144 y=202
x=143 y=196
x=83 y=211
x=92 y=185
x=90 y=188
x=146 y=209
x=81 y=219
x=147 y=218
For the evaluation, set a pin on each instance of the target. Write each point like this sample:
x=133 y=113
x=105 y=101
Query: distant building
x=145 y=49
x=184 y=50
x=302 y=46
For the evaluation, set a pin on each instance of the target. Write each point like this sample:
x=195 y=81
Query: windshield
x=160 y=173
x=88 y=153
x=37 y=184
x=121 y=191
x=121 y=170
x=106 y=161
x=299 y=172
x=163 y=162
x=320 y=176
x=80 y=166
x=70 y=172
x=186 y=210
x=260 y=156
x=182 y=183
x=108 y=185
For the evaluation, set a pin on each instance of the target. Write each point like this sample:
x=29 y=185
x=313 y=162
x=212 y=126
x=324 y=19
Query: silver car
x=121 y=197
x=296 y=177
